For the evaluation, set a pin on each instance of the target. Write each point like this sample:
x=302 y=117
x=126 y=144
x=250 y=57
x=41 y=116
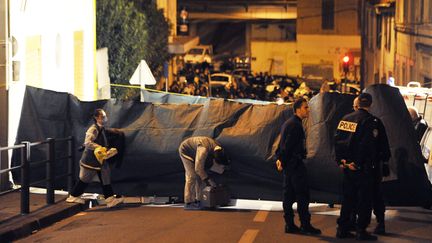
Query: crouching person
x=197 y=154
x=94 y=162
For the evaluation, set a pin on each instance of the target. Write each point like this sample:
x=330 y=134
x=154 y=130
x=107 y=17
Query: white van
x=199 y=54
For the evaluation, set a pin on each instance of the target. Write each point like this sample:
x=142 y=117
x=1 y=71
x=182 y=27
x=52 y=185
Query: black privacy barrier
x=407 y=164
x=248 y=132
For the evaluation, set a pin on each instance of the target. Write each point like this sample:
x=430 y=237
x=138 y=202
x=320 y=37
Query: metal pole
x=71 y=161
x=363 y=44
x=4 y=96
x=50 y=171
x=25 y=178
x=345 y=83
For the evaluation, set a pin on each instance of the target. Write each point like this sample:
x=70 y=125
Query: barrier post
x=50 y=183
x=71 y=161
x=25 y=178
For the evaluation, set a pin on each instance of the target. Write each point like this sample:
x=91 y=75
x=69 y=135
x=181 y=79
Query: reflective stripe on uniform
x=347 y=126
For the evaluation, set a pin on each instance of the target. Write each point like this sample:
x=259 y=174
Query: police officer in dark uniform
x=380 y=169
x=290 y=154
x=358 y=152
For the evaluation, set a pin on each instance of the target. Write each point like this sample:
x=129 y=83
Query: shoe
x=193 y=206
x=364 y=235
x=341 y=234
x=380 y=229
x=309 y=230
x=292 y=229
x=113 y=201
x=72 y=199
x=352 y=227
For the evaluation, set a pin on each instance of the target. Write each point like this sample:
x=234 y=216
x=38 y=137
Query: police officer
x=359 y=152
x=380 y=169
x=197 y=154
x=290 y=154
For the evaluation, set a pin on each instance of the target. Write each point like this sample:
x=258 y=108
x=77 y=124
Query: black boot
x=309 y=230
x=343 y=234
x=292 y=229
x=380 y=229
x=364 y=235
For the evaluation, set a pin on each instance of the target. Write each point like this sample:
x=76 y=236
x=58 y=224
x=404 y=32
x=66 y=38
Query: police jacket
x=95 y=137
x=292 y=149
x=361 y=138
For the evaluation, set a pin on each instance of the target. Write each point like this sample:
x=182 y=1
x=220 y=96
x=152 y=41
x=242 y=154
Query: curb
x=25 y=225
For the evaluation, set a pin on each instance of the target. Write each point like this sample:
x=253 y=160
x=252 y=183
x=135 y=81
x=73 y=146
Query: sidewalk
x=13 y=225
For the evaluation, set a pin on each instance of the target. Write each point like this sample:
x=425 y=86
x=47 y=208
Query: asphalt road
x=170 y=223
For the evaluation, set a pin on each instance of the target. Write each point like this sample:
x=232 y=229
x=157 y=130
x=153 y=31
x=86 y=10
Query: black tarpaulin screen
x=249 y=133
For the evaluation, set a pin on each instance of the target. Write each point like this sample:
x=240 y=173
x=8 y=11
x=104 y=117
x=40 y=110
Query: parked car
x=199 y=54
x=220 y=79
x=348 y=88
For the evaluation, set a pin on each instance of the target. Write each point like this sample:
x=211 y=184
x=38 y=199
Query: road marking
x=80 y=214
x=249 y=236
x=262 y=214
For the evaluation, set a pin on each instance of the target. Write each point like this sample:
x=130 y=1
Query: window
x=327 y=16
x=428 y=6
x=379 y=31
x=422 y=11
x=388 y=34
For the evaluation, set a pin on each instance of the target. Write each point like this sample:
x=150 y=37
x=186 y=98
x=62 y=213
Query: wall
x=414 y=47
x=55 y=50
x=313 y=48
x=345 y=17
x=309 y=49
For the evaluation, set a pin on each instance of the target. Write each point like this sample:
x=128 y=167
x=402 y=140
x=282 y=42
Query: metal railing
x=50 y=162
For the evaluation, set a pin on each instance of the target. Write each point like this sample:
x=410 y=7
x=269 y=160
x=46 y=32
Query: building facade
x=380 y=43
x=413 y=53
x=325 y=31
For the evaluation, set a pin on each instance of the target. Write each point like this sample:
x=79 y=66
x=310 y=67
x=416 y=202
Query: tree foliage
x=125 y=28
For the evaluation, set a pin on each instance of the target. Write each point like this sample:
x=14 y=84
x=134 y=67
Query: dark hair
x=97 y=113
x=221 y=157
x=365 y=100
x=298 y=103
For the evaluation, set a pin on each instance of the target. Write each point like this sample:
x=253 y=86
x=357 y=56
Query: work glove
x=385 y=170
x=209 y=182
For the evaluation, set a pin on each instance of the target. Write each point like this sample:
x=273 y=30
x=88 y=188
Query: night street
x=138 y=223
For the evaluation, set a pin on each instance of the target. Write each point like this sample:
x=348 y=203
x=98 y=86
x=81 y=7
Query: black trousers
x=357 y=196
x=296 y=189
x=377 y=199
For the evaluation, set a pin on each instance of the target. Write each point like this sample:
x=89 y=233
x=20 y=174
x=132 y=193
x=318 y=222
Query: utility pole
x=363 y=44
x=4 y=69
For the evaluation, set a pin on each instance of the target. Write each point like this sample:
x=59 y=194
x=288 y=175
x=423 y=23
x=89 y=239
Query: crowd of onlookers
x=195 y=79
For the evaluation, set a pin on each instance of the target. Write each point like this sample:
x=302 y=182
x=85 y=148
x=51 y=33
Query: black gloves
x=209 y=182
x=385 y=169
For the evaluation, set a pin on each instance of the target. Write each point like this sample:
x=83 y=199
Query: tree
x=157 y=35
x=124 y=29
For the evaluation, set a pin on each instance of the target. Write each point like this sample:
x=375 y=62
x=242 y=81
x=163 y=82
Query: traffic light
x=346 y=62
